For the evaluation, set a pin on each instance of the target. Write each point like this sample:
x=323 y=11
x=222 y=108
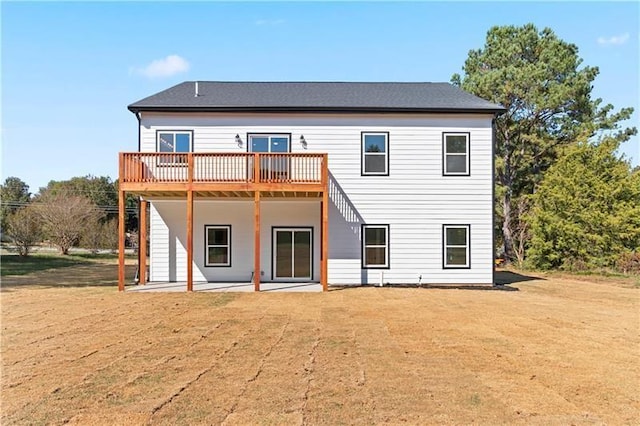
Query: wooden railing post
x=121 y=170
x=256 y=168
x=190 y=168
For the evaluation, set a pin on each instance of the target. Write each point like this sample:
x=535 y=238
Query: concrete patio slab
x=224 y=287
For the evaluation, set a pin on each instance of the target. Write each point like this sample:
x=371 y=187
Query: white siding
x=168 y=236
x=416 y=200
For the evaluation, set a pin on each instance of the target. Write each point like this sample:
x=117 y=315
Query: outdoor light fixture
x=238 y=141
x=303 y=142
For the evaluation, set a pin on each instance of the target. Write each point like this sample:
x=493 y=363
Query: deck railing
x=281 y=168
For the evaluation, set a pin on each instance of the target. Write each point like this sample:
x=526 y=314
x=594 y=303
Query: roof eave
x=184 y=109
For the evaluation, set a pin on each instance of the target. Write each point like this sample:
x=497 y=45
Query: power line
x=108 y=209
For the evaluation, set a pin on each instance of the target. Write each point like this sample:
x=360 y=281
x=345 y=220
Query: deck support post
x=189 y=240
x=142 y=249
x=324 y=255
x=256 y=242
x=121 y=238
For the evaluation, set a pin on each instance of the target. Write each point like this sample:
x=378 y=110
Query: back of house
x=338 y=183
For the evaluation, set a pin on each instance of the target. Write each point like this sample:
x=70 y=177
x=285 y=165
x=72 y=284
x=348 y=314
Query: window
x=456 y=246
x=375 y=246
x=170 y=142
x=375 y=153
x=272 y=167
x=456 y=154
x=269 y=143
x=217 y=245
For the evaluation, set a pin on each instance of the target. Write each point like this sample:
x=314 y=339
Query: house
x=337 y=183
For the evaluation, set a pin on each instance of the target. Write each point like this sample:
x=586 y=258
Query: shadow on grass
x=54 y=271
x=510 y=277
x=503 y=280
x=478 y=287
x=17 y=265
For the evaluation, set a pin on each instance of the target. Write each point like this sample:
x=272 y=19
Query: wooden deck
x=191 y=176
x=223 y=174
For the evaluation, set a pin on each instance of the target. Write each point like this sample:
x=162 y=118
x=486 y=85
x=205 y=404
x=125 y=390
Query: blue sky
x=69 y=70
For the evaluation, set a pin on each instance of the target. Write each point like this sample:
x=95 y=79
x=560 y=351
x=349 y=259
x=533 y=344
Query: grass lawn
x=561 y=350
x=15 y=265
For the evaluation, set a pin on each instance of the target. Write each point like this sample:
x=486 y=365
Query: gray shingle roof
x=314 y=96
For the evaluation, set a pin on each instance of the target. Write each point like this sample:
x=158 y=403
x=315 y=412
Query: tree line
x=79 y=212
x=564 y=197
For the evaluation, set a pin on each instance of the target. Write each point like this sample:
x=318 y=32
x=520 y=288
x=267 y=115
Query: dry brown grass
x=559 y=351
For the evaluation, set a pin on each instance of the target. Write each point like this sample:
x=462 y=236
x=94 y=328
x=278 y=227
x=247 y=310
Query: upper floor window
x=375 y=246
x=455 y=160
x=375 y=153
x=269 y=143
x=169 y=141
x=456 y=246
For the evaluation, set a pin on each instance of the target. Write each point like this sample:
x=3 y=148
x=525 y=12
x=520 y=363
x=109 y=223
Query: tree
x=100 y=235
x=109 y=235
x=23 y=227
x=586 y=211
x=100 y=190
x=14 y=193
x=541 y=82
x=65 y=217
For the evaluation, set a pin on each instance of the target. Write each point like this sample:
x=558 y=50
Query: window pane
x=218 y=255
x=183 y=142
x=456 y=144
x=259 y=144
x=217 y=236
x=375 y=163
x=456 y=163
x=456 y=256
x=165 y=142
x=375 y=236
x=279 y=144
x=374 y=256
x=456 y=236
x=375 y=143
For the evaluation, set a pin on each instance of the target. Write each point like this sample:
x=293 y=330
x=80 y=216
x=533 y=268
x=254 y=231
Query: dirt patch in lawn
x=559 y=351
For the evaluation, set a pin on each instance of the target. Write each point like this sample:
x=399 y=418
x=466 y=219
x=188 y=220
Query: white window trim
x=385 y=246
x=174 y=133
x=446 y=246
x=446 y=154
x=269 y=136
x=363 y=154
x=207 y=245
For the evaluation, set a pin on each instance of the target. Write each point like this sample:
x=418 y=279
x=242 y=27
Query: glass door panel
x=272 y=167
x=293 y=254
x=284 y=254
x=302 y=254
x=259 y=144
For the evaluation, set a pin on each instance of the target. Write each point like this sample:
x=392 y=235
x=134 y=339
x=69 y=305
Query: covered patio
x=250 y=176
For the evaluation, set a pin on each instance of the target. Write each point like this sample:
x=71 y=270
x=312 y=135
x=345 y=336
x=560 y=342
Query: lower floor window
x=218 y=245
x=375 y=246
x=456 y=246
